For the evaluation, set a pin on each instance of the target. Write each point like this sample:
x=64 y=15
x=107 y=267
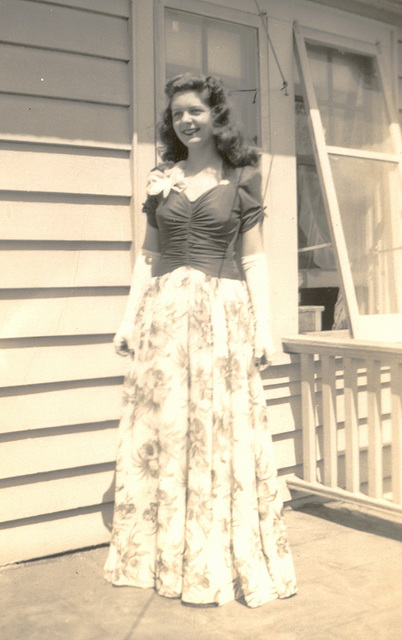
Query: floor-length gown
x=197 y=513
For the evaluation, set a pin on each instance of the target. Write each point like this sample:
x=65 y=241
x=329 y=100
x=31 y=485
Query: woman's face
x=192 y=119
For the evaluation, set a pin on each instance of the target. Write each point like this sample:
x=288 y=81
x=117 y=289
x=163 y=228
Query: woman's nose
x=186 y=117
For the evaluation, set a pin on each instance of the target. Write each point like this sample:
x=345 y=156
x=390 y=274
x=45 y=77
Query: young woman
x=198 y=515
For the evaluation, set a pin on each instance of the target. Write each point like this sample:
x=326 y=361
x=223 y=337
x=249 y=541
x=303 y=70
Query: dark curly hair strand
x=228 y=137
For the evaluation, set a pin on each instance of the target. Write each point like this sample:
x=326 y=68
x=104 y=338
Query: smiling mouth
x=190 y=132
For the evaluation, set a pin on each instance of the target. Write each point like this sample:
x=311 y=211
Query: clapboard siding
x=91 y=264
x=42 y=360
x=63 y=312
x=40 y=168
x=57 y=491
x=66 y=122
x=64 y=448
x=46 y=406
x=65 y=255
x=41 y=25
x=64 y=218
x=54 y=74
x=108 y=7
x=400 y=76
x=43 y=536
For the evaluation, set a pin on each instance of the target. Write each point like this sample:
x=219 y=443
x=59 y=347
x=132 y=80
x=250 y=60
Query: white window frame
x=365 y=327
x=223 y=14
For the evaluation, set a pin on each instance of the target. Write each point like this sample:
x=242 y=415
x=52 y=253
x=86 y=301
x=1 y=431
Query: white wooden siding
x=400 y=75
x=65 y=234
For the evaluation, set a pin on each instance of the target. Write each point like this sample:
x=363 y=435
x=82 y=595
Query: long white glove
x=256 y=271
x=142 y=273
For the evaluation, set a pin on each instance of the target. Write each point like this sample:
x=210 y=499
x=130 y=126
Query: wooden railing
x=351 y=414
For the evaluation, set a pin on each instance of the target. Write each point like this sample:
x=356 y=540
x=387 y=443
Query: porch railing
x=351 y=419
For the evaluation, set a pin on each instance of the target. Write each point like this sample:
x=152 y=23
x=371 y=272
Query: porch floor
x=349 y=574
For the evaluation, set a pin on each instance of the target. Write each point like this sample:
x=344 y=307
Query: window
x=357 y=160
x=200 y=44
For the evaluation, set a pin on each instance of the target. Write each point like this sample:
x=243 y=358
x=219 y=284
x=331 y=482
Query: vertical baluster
x=328 y=373
x=352 y=463
x=396 y=422
x=308 y=417
x=375 y=473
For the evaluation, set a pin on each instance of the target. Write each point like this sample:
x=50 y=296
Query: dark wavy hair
x=228 y=137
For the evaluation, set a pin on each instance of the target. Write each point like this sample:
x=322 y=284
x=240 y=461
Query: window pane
x=369 y=197
x=183 y=42
x=313 y=225
x=350 y=99
x=229 y=51
x=225 y=59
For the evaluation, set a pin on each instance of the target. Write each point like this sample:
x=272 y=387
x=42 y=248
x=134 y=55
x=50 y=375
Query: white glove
x=256 y=271
x=142 y=273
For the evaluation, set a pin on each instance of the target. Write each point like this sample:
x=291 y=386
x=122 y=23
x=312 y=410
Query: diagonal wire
x=262 y=15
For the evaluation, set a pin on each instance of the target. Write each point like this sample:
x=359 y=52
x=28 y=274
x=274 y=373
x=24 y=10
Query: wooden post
x=308 y=418
x=396 y=423
x=375 y=482
x=329 y=420
x=352 y=465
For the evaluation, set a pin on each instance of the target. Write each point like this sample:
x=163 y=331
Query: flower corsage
x=165 y=179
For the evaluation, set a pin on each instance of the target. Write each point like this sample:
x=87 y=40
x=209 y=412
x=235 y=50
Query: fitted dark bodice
x=202 y=233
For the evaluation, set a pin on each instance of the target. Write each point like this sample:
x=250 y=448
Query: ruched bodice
x=202 y=233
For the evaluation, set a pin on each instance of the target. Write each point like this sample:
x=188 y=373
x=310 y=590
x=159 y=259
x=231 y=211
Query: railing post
x=328 y=373
x=308 y=417
x=396 y=423
x=352 y=462
x=375 y=481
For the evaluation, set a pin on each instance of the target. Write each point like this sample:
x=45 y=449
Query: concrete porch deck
x=348 y=565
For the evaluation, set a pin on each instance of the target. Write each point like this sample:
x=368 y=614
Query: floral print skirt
x=198 y=515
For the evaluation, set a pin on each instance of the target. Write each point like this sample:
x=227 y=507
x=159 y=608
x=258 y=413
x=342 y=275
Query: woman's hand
x=123 y=340
x=264 y=347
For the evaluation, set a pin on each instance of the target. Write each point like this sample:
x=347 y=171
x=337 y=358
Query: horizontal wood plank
x=42 y=364
x=284 y=416
x=327 y=343
x=41 y=25
x=44 y=453
x=110 y=7
x=282 y=374
x=60 y=315
x=67 y=448
x=55 y=492
x=280 y=391
x=60 y=170
x=39 y=538
x=22 y=219
x=54 y=74
x=59 y=405
x=52 y=121
x=288 y=450
x=70 y=267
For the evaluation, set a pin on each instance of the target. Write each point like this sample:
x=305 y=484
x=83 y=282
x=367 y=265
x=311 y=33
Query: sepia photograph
x=200 y=319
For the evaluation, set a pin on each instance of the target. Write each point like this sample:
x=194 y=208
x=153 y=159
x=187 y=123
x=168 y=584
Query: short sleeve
x=151 y=203
x=149 y=208
x=250 y=199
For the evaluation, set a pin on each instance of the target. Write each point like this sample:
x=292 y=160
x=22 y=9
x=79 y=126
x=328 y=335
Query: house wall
x=76 y=144
x=399 y=87
x=65 y=181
